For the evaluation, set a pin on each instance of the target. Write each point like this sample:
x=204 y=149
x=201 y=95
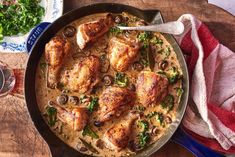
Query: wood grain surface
x=18 y=136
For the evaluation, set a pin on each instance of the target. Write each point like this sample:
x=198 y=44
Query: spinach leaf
x=144 y=138
x=121 y=79
x=52 y=114
x=168 y=102
x=87 y=131
x=93 y=104
x=143 y=135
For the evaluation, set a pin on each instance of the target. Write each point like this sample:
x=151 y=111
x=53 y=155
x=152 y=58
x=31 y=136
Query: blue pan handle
x=35 y=34
x=183 y=139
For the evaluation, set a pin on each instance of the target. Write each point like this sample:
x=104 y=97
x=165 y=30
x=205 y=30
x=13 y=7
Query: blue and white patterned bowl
x=53 y=10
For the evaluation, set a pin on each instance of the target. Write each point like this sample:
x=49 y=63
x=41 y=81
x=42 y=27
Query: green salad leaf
x=20 y=17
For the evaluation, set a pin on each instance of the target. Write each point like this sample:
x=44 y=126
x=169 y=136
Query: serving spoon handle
x=174 y=27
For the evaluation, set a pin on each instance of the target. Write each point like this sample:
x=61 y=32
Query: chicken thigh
x=76 y=118
x=117 y=137
x=114 y=101
x=84 y=75
x=55 y=50
x=91 y=31
x=151 y=87
x=122 y=52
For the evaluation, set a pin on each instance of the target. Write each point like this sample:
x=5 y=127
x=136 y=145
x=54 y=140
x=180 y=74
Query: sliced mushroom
x=163 y=64
x=138 y=66
x=100 y=144
x=74 y=100
x=107 y=80
x=98 y=123
x=62 y=99
x=154 y=130
x=118 y=19
x=133 y=146
x=69 y=31
x=168 y=120
x=104 y=63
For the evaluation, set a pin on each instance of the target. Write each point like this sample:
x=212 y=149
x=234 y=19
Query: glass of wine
x=7 y=79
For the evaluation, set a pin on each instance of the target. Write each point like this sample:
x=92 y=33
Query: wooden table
x=18 y=136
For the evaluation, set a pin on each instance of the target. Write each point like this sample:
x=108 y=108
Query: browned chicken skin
x=84 y=75
x=90 y=31
x=114 y=101
x=55 y=50
x=76 y=118
x=151 y=87
x=118 y=135
x=122 y=52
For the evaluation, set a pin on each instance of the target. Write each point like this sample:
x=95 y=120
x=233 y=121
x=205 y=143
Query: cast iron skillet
x=46 y=31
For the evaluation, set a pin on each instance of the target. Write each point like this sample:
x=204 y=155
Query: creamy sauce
x=70 y=136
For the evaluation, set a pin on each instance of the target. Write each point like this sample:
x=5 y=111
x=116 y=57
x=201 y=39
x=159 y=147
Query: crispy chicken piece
x=114 y=101
x=84 y=75
x=55 y=50
x=91 y=31
x=122 y=52
x=117 y=137
x=151 y=87
x=76 y=118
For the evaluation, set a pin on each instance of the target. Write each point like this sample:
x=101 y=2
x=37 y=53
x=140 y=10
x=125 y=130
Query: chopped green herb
x=93 y=104
x=121 y=79
x=145 y=36
x=145 y=45
x=151 y=114
x=168 y=102
x=87 y=131
x=156 y=41
x=143 y=138
x=143 y=135
x=160 y=118
x=52 y=114
x=179 y=91
x=172 y=75
x=167 y=51
x=83 y=98
x=115 y=30
x=122 y=24
x=144 y=125
x=161 y=72
x=20 y=17
x=160 y=51
x=140 y=108
x=144 y=62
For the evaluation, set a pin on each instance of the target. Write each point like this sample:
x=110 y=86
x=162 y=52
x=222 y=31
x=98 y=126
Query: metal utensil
x=174 y=27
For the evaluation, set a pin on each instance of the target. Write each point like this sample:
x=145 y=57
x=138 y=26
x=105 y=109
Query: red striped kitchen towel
x=210 y=116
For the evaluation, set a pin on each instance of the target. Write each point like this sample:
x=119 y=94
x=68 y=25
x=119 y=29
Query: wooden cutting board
x=18 y=136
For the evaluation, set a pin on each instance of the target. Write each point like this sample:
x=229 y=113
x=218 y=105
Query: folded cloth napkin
x=210 y=116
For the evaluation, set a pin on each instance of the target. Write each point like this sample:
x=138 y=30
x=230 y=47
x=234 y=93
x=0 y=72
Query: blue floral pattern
x=13 y=46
